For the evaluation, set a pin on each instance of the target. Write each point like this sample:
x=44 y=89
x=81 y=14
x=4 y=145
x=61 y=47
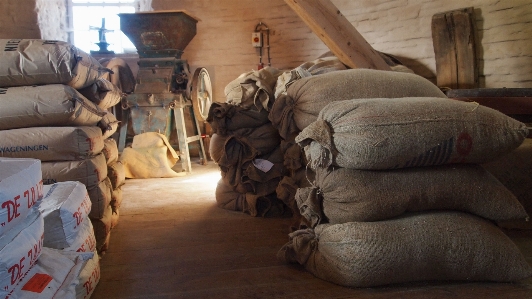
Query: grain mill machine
x=166 y=91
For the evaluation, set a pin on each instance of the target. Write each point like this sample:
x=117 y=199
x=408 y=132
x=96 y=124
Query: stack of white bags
x=47 y=243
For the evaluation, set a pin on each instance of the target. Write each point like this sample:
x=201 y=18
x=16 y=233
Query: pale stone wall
x=398 y=27
x=51 y=16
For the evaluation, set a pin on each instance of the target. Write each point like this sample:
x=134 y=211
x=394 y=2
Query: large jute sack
x=243 y=144
x=253 y=90
x=294 y=157
x=315 y=67
x=436 y=246
x=150 y=156
x=408 y=132
x=51 y=143
x=225 y=118
x=344 y=195
x=38 y=62
x=228 y=199
x=266 y=205
x=306 y=97
x=514 y=171
x=90 y=172
x=102 y=93
x=259 y=175
x=46 y=105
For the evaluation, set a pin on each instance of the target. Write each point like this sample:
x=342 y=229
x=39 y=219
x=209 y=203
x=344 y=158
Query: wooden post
x=328 y=23
x=453 y=37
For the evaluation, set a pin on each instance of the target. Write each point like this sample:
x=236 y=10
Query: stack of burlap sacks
x=246 y=147
x=398 y=193
x=47 y=244
x=54 y=106
x=384 y=172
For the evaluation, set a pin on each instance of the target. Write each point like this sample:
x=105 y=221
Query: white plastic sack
x=85 y=240
x=20 y=188
x=54 y=270
x=65 y=207
x=20 y=248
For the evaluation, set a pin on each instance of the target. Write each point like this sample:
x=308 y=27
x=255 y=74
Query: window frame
x=70 y=14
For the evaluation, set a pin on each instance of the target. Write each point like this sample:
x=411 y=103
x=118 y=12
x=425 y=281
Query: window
x=86 y=17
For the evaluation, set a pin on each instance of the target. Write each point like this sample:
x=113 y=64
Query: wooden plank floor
x=172 y=241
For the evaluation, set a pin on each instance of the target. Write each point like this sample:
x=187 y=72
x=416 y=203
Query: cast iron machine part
x=165 y=89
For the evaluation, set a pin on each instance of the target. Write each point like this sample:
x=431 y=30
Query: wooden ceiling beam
x=342 y=38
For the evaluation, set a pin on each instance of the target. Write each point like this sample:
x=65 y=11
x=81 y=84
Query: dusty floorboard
x=172 y=241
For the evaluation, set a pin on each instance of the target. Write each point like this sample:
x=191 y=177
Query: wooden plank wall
x=398 y=27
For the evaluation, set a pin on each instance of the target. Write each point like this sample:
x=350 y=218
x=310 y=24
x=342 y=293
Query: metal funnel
x=159 y=33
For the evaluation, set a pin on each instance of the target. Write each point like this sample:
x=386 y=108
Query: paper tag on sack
x=263 y=165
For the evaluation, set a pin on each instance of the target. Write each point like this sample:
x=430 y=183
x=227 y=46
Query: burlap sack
x=228 y=199
x=27 y=62
x=514 y=171
x=116 y=174
x=305 y=98
x=90 y=172
x=225 y=118
x=100 y=196
x=253 y=90
x=150 y=156
x=294 y=157
x=408 y=132
x=437 y=246
x=102 y=93
x=110 y=150
x=46 y=105
x=344 y=195
x=51 y=143
x=264 y=205
x=318 y=66
x=263 y=174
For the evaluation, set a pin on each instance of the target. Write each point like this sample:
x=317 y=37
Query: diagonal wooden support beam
x=342 y=38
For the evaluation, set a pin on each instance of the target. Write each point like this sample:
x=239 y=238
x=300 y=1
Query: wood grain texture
x=328 y=23
x=453 y=36
x=172 y=241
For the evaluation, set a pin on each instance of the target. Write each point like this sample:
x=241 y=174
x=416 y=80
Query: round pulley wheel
x=201 y=94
